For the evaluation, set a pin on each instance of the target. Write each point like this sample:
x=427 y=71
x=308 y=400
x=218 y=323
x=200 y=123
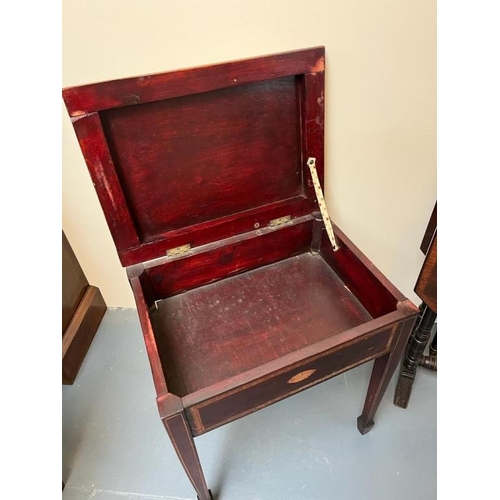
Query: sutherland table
x=426 y=289
x=206 y=179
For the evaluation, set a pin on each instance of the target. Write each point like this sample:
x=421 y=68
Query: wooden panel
x=78 y=336
x=426 y=287
x=228 y=260
x=377 y=294
x=429 y=231
x=149 y=88
x=218 y=230
x=74 y=283
x=100 y=165
x=149 y=337
x=220 y=330
x=263 y=392
x=313 y=123
x=195 y=158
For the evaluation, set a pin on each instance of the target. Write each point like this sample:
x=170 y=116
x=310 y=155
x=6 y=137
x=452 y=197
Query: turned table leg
x=433 y=348
x=414 y=351
x=183 y=442
x=430 y=361
x=383 y=370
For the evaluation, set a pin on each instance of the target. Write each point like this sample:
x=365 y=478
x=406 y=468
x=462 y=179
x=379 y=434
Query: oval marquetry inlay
x=300 y=376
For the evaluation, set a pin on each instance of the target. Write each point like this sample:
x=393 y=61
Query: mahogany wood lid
x=202 y=154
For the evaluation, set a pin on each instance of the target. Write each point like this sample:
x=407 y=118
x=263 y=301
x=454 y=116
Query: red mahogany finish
x=252 y=310
x=236 y=133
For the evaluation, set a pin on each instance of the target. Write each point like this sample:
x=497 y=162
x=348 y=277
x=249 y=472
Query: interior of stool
x=225 y=311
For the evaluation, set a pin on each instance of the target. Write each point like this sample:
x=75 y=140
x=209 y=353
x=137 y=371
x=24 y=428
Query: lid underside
x=193 y=167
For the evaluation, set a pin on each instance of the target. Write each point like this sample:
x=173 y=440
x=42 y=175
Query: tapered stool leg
x=183 y=442
x=383 y=370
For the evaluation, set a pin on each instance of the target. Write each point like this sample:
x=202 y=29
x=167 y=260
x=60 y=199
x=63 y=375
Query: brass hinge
x=179 y=251
x=280 y=221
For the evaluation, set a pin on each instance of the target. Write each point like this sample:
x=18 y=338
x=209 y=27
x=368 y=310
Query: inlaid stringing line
x=311 y=163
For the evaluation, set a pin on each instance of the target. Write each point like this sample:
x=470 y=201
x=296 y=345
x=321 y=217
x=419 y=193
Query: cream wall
x=380 y=107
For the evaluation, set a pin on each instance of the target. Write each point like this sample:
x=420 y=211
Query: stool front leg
x=383 y=370
x=174 y=419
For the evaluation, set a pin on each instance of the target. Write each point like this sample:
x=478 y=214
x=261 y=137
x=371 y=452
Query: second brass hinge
x=280 y=221
x=179 y=251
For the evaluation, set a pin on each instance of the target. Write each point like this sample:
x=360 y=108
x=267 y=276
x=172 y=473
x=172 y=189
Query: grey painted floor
x=305 y=447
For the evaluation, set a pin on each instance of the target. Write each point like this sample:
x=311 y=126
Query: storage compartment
x=230 y=309
x=220 y=330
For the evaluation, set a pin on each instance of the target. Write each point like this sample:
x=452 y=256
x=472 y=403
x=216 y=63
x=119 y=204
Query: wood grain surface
x=218 y=331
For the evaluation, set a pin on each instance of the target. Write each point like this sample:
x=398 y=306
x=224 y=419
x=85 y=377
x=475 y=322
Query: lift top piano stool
x=205 y=177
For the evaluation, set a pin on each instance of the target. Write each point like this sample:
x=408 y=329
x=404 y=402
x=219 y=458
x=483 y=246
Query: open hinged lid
x=198 y=155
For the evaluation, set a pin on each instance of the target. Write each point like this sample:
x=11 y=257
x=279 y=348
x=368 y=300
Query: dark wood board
x=74 y=283
x=82 y=310
x=229 y=259
x=231 y=405
x=94 y=97
x=238 y=145
x=429 y=231
x=378 y=295
x=426 y=287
